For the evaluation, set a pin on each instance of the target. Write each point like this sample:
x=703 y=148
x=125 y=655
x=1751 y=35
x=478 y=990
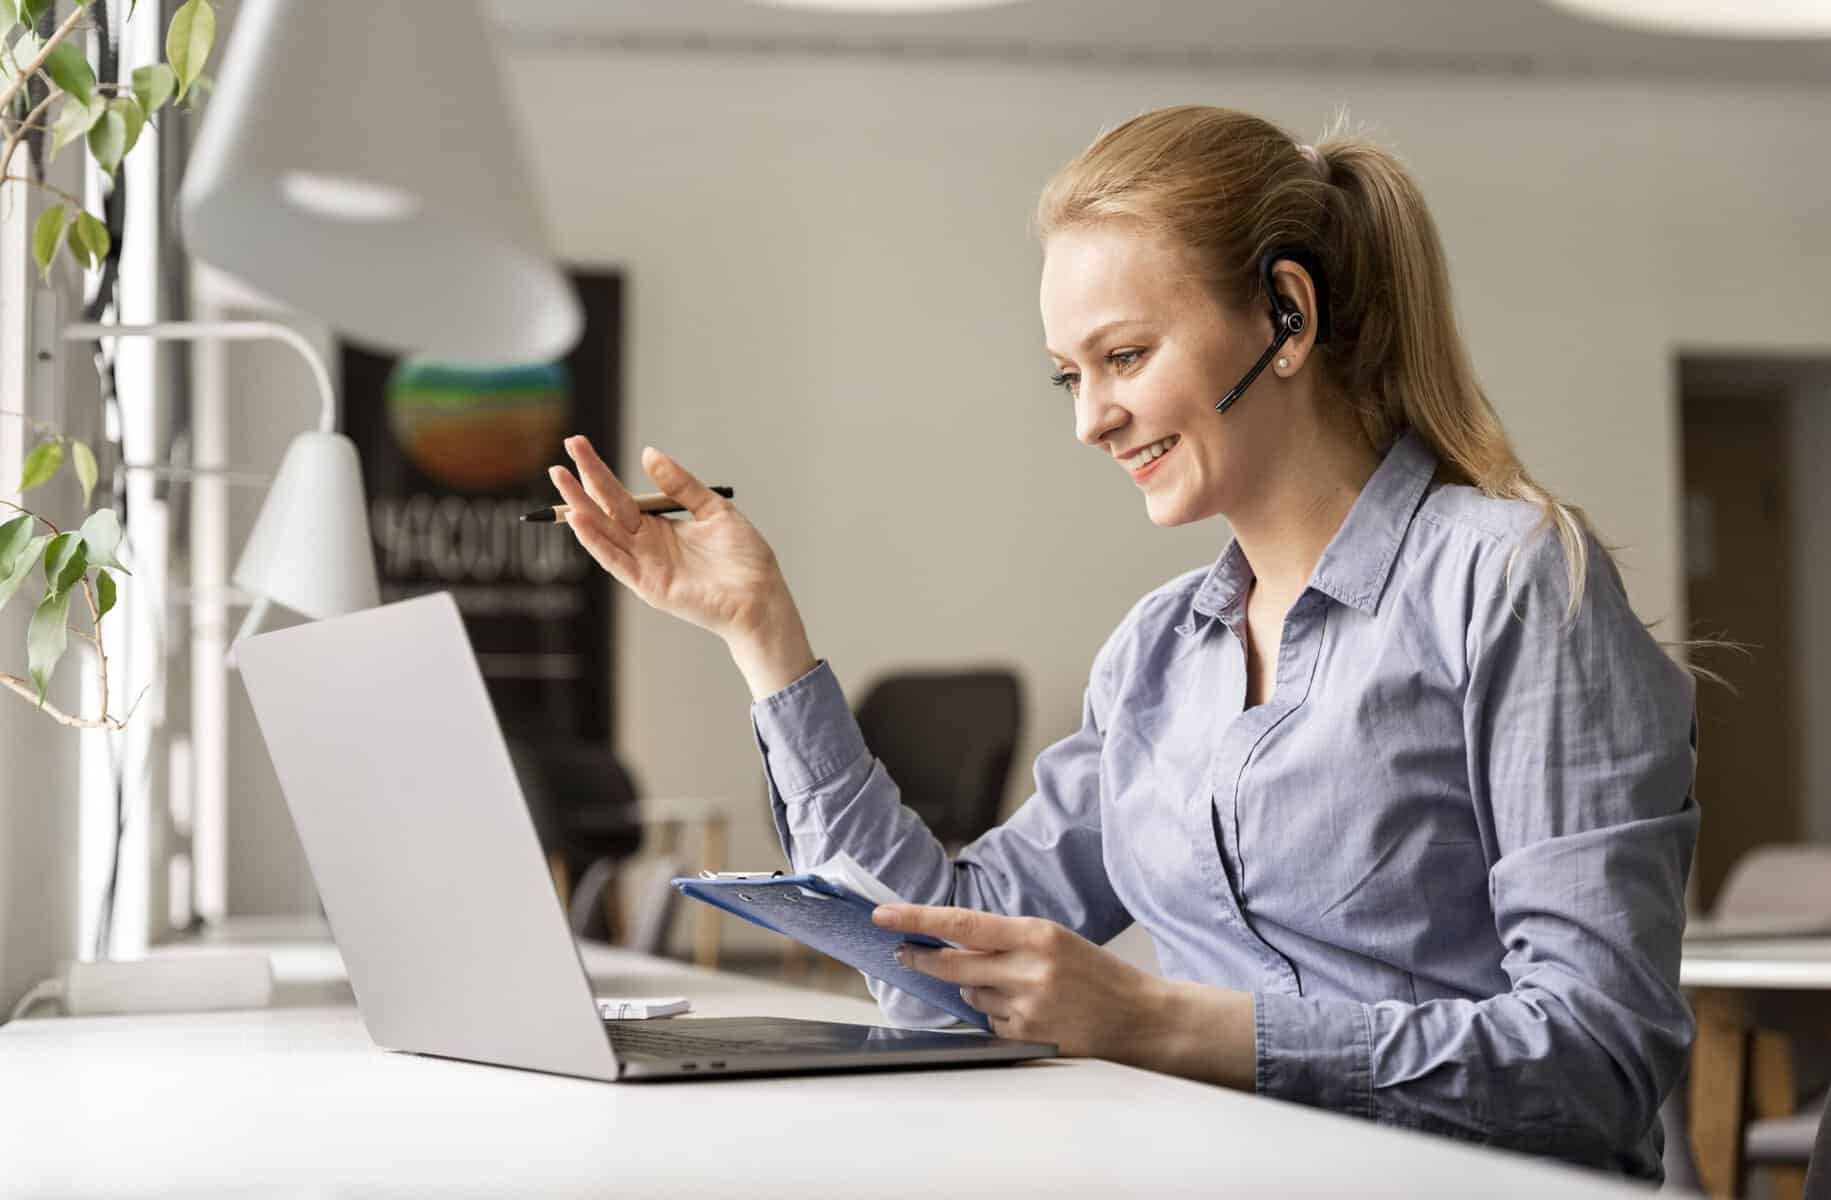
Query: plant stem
x=44 y=55
x=28 y=512
x=18 y=135
x=27 y=690
x=42 y=186
x=41 y=428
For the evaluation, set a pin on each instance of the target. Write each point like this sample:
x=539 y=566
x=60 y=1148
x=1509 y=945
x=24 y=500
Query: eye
x=1066 y=379
x=1125 y=359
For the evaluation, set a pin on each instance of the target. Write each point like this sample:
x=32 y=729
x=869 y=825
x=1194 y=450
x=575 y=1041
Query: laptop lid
x=413 y=822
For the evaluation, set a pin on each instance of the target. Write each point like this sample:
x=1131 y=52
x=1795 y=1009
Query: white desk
x=1776 y=964
x=297 y=1101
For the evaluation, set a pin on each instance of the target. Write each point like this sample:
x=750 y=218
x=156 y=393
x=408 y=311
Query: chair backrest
x=583 y=803
x=947 y=738
x=1779 y=882
x=1818 y=1172
x=1778 y=889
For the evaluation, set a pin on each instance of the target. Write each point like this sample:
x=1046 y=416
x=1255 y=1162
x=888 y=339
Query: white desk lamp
x=357 y=162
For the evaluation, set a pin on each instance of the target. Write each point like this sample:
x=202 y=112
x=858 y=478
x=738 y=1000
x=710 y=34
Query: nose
x=1095 y=415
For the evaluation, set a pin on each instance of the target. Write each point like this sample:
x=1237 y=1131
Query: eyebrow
x=1100 y=331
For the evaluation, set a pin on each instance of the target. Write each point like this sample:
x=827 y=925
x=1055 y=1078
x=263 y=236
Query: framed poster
x=451 y=458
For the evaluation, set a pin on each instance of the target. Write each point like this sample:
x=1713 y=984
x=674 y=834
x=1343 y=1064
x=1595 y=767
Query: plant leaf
x=22 y=566
x=45 y=638
x=40 y=465
x=92 y=237
x=31 y=10
x=101 y=534
x=24 y=51
x=48 y=238
x=133 y=116
x=13 y=538
x=74 y=121
x=104 y=594
x=108 y=139
x=69 y=69
x=155 y=86
x=201 y=87
x=65 y=562
x=188 y=39
x=82 y=457
x=78 y=245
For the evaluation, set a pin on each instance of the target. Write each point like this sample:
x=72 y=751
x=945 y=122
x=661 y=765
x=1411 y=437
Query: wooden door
x=1739 y=585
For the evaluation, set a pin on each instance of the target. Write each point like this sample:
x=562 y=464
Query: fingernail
x=881 y=914
x=902 y=956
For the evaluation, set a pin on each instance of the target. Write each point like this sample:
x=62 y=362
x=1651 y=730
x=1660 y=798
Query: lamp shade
x=310 y=547
x=1711 y=18
x=358 y=161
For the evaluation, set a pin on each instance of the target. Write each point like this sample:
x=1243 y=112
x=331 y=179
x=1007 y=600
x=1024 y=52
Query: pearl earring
x=1284 y=363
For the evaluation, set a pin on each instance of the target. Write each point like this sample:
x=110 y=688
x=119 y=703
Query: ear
x=1293 y=282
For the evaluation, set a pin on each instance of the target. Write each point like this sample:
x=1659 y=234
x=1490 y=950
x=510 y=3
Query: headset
x=1287 y=319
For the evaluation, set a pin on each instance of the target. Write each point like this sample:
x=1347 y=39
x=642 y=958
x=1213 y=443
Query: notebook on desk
x=401 y=788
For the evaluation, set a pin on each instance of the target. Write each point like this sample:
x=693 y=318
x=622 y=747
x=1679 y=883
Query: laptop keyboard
x=642 y=1038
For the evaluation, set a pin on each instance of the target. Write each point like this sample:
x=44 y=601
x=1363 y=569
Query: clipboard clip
x=740 y=874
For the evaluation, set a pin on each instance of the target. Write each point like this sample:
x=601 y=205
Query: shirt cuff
x=807 y=732
x=1316 y=1052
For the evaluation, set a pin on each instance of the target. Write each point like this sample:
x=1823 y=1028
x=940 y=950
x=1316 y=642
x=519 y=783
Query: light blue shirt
x=1448 y=856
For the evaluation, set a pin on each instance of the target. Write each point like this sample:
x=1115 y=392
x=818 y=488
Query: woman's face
x=1147 y=351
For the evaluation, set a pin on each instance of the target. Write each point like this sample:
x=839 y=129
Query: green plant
x=47 y=87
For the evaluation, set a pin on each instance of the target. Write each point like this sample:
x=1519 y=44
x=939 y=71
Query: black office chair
x=947 y=738
x=583 y=802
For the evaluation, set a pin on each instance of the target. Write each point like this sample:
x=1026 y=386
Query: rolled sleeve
x=829 y=794
x=806 y=732
x=1313 y=1051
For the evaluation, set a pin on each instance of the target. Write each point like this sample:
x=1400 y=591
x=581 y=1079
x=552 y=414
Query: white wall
x=39 y=802
x=38 y=777
x=832 y=306
x=1810 y=447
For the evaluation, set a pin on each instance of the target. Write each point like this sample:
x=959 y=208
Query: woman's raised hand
x=713 y=570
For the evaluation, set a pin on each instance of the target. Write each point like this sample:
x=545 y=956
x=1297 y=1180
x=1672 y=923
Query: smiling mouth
x=1140 y=464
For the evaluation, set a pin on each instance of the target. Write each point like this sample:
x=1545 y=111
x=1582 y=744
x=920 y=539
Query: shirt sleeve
x=1581 y=742
x=828 y=793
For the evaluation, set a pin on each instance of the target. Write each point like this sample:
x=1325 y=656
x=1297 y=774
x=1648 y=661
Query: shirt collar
x=1354 y=568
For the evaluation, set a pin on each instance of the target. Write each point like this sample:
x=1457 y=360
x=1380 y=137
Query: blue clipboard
x=836 y=921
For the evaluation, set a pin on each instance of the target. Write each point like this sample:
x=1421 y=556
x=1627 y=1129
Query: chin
x=1170 y=512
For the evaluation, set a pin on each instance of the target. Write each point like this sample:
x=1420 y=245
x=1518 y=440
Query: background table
x=1748 y=994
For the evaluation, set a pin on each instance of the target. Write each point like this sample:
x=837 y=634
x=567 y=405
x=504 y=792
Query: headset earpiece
x=1287 y=319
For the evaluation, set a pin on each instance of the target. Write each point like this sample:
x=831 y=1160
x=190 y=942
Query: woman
x=1399 y=786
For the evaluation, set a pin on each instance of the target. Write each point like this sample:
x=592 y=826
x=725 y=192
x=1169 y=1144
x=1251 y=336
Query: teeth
x=1154 y=451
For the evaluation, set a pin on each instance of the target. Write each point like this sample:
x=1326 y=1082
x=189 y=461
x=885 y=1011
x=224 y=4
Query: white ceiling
x=1512 y=37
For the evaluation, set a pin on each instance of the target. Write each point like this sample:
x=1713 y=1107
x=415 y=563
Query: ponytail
x=1403 y=361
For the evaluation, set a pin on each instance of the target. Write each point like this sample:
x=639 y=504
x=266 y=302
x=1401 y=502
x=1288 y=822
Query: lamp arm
x=228 y=331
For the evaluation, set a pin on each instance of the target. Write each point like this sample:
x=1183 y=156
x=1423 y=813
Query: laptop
x=400 y=785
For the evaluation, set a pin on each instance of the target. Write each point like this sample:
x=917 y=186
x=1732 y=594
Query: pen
x=653 y=502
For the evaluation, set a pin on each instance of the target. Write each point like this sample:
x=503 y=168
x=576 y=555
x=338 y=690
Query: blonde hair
x=1229 y=187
